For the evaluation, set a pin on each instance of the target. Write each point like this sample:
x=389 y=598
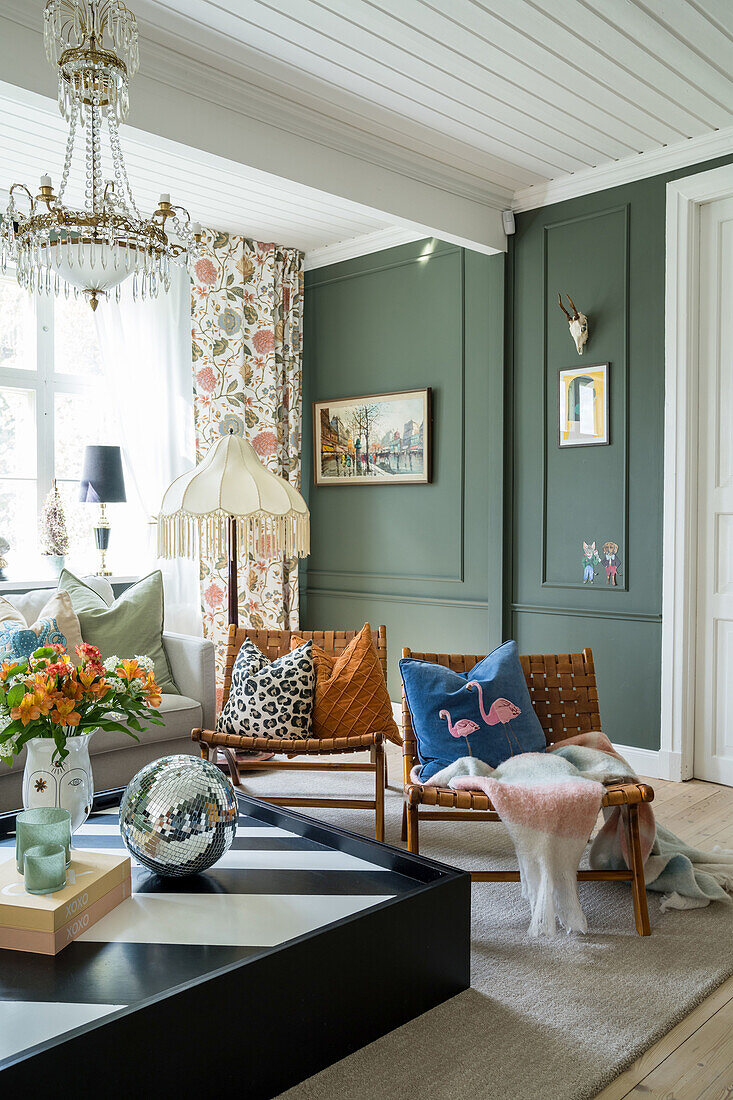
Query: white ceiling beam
x=179 y=99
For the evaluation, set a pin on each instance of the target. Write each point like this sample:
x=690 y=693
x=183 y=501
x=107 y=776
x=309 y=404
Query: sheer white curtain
x=146 y=356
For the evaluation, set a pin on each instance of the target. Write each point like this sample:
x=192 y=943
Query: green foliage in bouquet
x=47 y=695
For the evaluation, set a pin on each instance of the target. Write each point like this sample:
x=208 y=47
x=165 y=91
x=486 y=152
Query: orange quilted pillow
x=351 y=695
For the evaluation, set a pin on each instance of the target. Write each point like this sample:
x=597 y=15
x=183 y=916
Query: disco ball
x=178 y=816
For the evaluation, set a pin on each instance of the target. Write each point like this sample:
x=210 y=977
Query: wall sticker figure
x=612 y=562
x=590 y=560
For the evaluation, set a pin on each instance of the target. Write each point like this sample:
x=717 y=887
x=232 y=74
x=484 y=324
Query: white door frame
x=679 y=553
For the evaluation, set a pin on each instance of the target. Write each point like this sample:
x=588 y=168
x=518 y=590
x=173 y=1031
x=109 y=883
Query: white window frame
x=47 y=384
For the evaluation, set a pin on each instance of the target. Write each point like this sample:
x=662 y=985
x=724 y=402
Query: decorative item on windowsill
x=102 y=483
x=94 y=45
x=4 y=547
x=52 y=707
x=231 y=502
x=54 y=537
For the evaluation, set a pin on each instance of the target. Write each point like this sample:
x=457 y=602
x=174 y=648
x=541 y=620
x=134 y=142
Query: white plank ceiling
x=499 y=101
x=514 y=92
x=216 y=192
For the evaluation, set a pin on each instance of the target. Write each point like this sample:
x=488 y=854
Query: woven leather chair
x=274 y=644
x=562 y=687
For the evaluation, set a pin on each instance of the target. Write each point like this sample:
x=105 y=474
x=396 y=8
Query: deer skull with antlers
x=578 y=323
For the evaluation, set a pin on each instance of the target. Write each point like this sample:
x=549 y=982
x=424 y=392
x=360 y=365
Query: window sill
x=20 y=586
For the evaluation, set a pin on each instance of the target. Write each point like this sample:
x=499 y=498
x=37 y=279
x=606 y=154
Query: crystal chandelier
x=56 y=248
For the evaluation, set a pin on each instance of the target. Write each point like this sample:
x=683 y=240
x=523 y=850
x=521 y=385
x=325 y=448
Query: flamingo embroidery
x=501 y=711
x=464 y=727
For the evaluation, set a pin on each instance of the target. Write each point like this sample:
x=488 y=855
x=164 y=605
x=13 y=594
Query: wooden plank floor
x=693 y=1061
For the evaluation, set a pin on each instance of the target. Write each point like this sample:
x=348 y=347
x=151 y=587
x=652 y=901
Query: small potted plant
x=52 y=706
x=54 y=536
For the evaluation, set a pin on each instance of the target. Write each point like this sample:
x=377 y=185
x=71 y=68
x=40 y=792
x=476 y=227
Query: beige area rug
x=557 y=1019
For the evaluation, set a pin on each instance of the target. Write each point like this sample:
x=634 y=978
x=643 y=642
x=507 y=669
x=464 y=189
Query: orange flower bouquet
x=48 y=695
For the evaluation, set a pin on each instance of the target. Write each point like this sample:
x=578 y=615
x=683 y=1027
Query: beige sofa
x=115 y=756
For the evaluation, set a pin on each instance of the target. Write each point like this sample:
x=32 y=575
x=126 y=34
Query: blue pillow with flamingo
x=486 y=713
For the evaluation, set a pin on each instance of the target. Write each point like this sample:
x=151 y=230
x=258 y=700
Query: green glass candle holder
x=42 y=825
x=44 y=868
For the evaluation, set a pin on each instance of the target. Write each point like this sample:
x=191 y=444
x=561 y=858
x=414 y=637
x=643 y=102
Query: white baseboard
x=671 y=766
x=645 y=762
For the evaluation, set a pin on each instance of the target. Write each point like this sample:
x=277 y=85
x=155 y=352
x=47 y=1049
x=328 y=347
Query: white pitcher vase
x=67 y=783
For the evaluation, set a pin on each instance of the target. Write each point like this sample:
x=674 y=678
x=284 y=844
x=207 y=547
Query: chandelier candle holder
x=56 y=248
x=231 y=500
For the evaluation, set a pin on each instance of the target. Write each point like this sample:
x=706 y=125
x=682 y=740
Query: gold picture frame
x=378 y=439
x=583 y=406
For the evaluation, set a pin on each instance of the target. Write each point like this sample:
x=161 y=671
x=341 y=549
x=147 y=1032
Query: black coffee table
x=303 y=944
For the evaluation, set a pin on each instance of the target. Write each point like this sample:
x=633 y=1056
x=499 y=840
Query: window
x=52 y=404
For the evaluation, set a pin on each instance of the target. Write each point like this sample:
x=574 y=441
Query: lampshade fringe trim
x=260 y=535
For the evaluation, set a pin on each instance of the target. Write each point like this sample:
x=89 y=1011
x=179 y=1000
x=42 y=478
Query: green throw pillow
x=132 y=625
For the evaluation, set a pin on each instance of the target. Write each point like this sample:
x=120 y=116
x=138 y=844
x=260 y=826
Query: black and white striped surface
x=271 y=887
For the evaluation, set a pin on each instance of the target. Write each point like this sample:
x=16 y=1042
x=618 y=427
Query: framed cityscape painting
x=380 y=439
x=583 y=406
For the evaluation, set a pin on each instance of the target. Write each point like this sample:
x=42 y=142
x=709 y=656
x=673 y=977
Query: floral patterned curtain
x=247 y=309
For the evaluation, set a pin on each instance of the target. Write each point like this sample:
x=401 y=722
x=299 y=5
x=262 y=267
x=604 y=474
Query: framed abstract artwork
x=380 y=439
x=583 y=406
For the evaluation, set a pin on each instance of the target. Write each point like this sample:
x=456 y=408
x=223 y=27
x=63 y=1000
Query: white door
x=714 y=659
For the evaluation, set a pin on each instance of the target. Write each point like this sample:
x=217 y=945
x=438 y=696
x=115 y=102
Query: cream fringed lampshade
x=229 y=500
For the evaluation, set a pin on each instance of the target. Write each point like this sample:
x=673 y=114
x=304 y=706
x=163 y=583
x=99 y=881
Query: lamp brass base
x=101 y=538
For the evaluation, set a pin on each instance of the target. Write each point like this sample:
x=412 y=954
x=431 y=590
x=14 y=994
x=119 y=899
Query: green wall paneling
x=424 y=559
x=427 y=560
x=608 y=251
x=626 y=652
x=585 y=488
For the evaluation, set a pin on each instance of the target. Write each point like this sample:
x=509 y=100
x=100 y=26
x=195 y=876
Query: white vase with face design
x=68 y=783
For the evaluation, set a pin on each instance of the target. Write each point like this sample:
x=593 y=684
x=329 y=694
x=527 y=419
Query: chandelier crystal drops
x=56 y=248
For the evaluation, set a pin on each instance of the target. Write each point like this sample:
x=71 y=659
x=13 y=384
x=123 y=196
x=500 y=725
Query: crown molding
x=695 y=150
x=363 y=245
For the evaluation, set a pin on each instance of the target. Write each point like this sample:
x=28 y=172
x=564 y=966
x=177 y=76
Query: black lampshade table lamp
x=102 y=483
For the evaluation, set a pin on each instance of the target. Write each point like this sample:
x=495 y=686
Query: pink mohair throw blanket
x=549 y=803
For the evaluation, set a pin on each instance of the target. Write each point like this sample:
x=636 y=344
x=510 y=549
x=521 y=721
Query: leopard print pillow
x=270 y=700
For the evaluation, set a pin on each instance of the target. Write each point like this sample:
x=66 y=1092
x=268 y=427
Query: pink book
x=50 y=943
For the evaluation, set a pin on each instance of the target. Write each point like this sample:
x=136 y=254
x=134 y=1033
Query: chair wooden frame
x=563 y=690
x=274 y=644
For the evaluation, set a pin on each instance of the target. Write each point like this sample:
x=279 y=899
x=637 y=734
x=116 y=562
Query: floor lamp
x=228 y=503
